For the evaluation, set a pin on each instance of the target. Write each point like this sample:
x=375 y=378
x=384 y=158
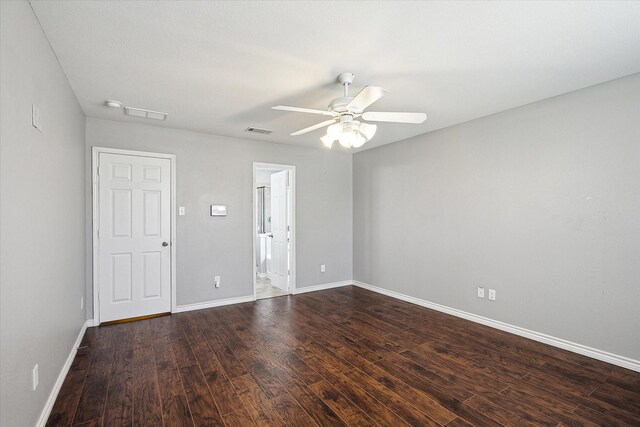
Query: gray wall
x=42 y=199
x=215 y=169
x=541 y=203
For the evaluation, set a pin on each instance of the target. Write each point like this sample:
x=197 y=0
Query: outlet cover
x=34 y=377
x=480 y=292
x=35 y=117
x=216 y=281
x=492 y=294
x=323 y=268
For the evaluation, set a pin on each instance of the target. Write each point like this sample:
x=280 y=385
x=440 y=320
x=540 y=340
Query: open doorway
x=273 y=230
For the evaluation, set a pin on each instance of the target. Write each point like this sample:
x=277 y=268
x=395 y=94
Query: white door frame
x=95 y=211
x=292 y=232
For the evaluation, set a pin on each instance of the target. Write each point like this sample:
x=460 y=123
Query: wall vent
x=145 y=114
x=259 y=130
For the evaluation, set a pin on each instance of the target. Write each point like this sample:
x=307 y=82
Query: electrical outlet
x=81 y=303
x=323 y=268
x=216 y=281
x=480 y=292
x=35 y=117
x=492 y=294
x=34 y=377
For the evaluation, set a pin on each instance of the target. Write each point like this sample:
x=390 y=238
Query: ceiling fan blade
x=314 y=127
x=375 y=116
x=367 y=96
x=302 y=110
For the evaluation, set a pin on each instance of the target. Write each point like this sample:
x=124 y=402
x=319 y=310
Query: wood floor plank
x=348 y=412
x=239 y=418
x=603 y=418
x=616 y=396
x=594 y=404
x=64 y=409
x=256 y=402
x=435 y=393
x=176 y=412
x=93 y=423
x=345 y=356
x=175 y=409
x=221 y=389
x=625 y=380
x=201 y=403
x=318 y=410
x=372 y=407
x=495 y=412
x=434 y=410
x=432 y=374
x=92 y=401
x=404 y=409
x=147 y=402
x=94 y=393
x=119 y=408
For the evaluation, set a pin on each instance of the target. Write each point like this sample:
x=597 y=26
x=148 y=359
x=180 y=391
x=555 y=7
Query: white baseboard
x=238 y=300
x=44 y=415
x=91 y=323
x=210 y=304
x=594 y=353
x=321 y=287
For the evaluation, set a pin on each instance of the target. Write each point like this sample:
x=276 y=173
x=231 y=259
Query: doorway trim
x=95 y=221
x=292 y=233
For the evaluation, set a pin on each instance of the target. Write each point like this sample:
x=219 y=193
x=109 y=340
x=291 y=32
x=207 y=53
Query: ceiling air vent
x=259 y=130
x=145 y=114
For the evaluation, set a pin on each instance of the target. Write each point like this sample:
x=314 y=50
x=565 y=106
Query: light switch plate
x=492 y=294
x=323 y=268
x=480 y=292
x=218 y=210
x=182 y=211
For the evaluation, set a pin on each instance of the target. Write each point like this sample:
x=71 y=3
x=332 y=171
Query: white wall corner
x=46 y=411
x=594 y=353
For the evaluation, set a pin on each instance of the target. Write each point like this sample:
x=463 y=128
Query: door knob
x=165 y=243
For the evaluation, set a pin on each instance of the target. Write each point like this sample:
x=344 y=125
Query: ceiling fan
x=344 y=110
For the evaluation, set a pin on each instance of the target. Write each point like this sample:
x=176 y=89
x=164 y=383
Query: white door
x=134 y=236
x=279 y=244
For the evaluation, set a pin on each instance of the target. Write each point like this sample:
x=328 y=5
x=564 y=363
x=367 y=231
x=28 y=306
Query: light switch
x=182 y=211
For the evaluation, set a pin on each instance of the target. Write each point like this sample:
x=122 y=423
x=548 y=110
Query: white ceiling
x=218 y=67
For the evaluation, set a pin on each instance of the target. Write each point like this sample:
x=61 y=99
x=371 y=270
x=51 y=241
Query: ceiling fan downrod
x=346 y=79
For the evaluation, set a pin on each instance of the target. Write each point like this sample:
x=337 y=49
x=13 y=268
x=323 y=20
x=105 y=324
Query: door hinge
x=99 y=170
x=99 y=234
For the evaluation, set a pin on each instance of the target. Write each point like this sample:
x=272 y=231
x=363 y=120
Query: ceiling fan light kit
x=342 y=127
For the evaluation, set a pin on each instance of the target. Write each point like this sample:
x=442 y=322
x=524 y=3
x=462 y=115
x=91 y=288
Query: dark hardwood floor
x=339 y=357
